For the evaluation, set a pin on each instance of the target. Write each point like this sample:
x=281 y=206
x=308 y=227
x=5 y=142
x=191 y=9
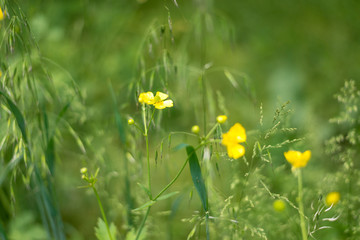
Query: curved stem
x=102 y=212
x=143 y=223
x=301 y=207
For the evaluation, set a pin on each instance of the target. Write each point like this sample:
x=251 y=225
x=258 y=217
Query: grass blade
x=197 y=176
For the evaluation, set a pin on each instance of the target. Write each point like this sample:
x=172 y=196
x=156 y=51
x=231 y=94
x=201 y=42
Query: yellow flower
x=83 y=170
x=332 y=198
x=147 y=98
x=0 y=73
x=279 y=205
x=231 y=140
x=298 y=159
x=195 y=129
x=1 y=14
x=221 y=119
x=160 y=101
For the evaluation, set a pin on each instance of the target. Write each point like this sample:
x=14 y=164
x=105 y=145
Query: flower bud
x=221 y=119
x=83 y=170
x=279 y=205
x=195 y=129
x=131 y=121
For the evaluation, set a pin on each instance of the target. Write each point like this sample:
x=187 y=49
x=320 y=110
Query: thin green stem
x=147 y=146
x=177 y=175
x=211 y=131
x=102 y=212
x=301 y=207
x=143 y=223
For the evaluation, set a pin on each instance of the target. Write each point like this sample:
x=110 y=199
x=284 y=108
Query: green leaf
x=146 y=190
x=18 y=116
x=197 y=176
x=147 y=204
x=166 y=196
x=101 y=231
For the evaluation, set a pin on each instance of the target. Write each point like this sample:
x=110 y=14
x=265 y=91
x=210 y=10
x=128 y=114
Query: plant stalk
x=102 y=212
x=301 y=207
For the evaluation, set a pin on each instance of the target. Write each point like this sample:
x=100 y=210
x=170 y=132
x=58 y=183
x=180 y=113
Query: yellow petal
x=238 y=132
x=1 y=15
x=297 y=159
x=235 y=151
x=163 y=104
x=161 y=96
x=147 y=98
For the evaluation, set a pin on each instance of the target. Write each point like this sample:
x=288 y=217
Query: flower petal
x=235 y=151
x=161 y=96
x=147 y=98
x=163 y=104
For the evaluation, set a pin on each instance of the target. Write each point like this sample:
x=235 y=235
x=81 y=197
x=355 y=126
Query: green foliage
x=72 y=72
x=101 y=230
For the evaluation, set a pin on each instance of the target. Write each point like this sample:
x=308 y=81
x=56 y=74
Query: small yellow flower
x=160 y=101
x=0 y=73
x=332 y=198
x=231 y=140
x=131 y=121
x=83 y=170
x=221 y=119
x=279 y=205
x=298 y=159
x=1 y=14
x=146 y=97
x=195 y=129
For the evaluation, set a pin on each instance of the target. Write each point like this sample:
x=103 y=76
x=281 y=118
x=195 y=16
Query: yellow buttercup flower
x=159 y=101
x=231 y=140
x=298 y=159
x=221 y=119
x=332 y=198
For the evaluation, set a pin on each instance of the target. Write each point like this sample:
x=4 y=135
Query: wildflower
x=298 y=159
x=83 y=170
x=195 y=129
x=332 y=198
x=231 y=140
x=131 y=121
x=221 y=119
x=1 y=14
x=0 y=73
x=279 y=205
x=147 y=98
x=159 y=101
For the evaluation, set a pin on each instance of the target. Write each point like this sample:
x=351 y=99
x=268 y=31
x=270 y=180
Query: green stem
x=147 y=147
x=301 y=207
x=143 y=223
x=176 y=177
x=102 y=212
x=211 y=131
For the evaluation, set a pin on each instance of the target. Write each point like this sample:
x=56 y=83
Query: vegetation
x=179 y=120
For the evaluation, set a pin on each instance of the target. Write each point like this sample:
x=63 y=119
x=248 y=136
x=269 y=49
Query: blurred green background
x=276 y=51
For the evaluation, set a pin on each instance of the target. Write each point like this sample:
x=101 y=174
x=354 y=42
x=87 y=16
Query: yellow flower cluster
x=297 y=159
x=231 y=140
x=159 y=100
